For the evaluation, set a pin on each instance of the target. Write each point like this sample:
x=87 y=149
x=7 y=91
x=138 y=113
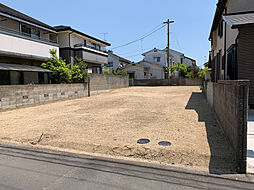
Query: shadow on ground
x=222 y=156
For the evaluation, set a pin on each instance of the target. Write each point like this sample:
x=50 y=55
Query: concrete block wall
x=168 y=82
x=22 y=95
x=14 y=96
x=229 y=99
x=102 y=83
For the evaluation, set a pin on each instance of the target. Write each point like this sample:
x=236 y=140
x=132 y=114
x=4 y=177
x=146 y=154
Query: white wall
x=187 y=62
x=149 y=57
x=113 y=59
x=24 y=46
x=63 y=39
x=156 y=72
x=139 y=72
x=175 y=57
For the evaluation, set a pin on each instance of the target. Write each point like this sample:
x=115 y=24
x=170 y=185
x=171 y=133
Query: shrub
x=61 y=72
x=107 y=72
x=79 y=71
x=201 y=73
x=121 y=72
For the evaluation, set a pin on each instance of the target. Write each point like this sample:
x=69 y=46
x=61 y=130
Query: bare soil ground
x=110 y=124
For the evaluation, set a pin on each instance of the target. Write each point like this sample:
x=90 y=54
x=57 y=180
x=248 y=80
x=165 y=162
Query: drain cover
x=143 y=141
x=164 y=143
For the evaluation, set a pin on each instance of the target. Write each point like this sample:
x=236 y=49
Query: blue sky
x=127 y=20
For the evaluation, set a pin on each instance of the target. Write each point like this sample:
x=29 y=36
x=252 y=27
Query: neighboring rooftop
x=120 y=58
x=239 y=19
x=61 y=28
x=7 y=11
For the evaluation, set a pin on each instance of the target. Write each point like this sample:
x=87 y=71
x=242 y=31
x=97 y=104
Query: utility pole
x=168 y=22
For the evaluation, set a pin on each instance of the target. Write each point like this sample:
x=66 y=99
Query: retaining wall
x=229 y=99
x=168 y=82
x=14 y=96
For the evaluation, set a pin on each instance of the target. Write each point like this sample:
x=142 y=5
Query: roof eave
x=68 y=28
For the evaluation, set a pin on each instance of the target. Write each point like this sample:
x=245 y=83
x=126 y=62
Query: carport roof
x=16 y=67
x=237 y=20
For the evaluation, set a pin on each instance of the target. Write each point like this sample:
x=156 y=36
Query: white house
x=160 y=57
x=116 y=62
x=135 y=71
x=145 y=70
x=74 y=43
x=24 y=45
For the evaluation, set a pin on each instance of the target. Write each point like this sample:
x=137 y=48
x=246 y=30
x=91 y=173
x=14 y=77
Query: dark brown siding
x=67 y=54
x=245 y=56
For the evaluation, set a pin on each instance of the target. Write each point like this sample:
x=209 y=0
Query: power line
x=141 y=38
x=133 y=55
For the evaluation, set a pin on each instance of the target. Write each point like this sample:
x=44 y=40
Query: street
x=31 y=168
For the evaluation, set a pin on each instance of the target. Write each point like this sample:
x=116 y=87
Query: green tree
x=78 y=71
x=201 y=73
x=106 y=71
x=60 y=70
x=121 y=72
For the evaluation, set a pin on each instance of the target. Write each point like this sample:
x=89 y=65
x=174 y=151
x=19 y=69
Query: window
x=85 y=43
x=232 y=64
x=41 y=78
x=4 y=78
x=157 y=59
x=218 y=66
x=110 y=64
x=31 y=32
x=26 y=31
x=220 y=29
x=16 y=77
x=97 y=47
x=96 y=70
x=131 y=75
x=144 y=73
x=35 y=33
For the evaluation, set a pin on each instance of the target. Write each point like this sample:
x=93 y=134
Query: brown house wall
x=245 y=56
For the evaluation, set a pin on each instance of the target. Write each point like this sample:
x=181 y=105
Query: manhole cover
x=164 y=143
x=143 y=141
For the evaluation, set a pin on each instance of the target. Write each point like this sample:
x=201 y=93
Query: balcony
x=14 y=43
x=5 y=30
x=90 y=54
x=89 y=47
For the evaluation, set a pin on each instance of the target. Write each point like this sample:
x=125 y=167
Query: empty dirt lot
x=110 y=124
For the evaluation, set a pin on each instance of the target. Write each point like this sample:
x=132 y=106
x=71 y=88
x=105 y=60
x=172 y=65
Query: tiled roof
x=9 y=11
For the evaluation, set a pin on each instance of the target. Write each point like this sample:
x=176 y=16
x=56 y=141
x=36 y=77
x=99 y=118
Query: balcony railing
x=90 y=47
x=8 y=30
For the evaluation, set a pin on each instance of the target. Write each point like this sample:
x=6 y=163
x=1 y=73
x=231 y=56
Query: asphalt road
x=30 y=168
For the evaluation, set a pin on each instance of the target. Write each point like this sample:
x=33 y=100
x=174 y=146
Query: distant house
x=145 y=70
x=160 y=57
x=232 y=42
x=136 y=71
x=74 y=43
x=116 y=62
x=24 y=44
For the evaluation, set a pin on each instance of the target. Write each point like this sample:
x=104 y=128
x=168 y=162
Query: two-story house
x=160 y=57
x=24 y=44
x=232 y=42
x=74 y=43
x=116 y=62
